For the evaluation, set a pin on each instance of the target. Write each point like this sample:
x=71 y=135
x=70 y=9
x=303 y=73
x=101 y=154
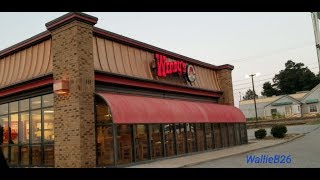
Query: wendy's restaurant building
x=80 y=96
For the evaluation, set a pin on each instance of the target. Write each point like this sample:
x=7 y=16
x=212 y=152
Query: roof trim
x=310 y=92
x=35 y=83
x=25 y=44
x=62 y=20
x=132 y=42
x=310 y=101
x=297 y=101
x=151 y=84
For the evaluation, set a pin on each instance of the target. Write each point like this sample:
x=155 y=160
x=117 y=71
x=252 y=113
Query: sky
x=252 y=42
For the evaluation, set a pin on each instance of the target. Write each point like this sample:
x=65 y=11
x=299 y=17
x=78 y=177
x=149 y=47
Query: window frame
x=313 y=108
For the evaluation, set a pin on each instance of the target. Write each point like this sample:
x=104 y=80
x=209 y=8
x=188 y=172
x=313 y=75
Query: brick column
x=225 y=81
x=74 y=124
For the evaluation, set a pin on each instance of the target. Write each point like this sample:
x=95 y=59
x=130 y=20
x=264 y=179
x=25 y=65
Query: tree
x=295 y=77
x=249 y=95
x=269 y=90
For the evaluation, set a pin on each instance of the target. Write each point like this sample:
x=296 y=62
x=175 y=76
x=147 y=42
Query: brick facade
x=225 y=81
x=74 y=112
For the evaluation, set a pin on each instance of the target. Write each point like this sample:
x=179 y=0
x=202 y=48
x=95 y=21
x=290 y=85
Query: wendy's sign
x=165 y=67
x=181 y=68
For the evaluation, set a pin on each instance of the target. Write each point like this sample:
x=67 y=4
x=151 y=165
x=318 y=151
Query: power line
x=270 y=53
x=250 y=82
x=259 y=76
x=248 y=87
x=275 y=73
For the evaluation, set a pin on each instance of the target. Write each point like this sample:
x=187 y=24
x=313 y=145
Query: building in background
x=304 y=103
x=80 y=96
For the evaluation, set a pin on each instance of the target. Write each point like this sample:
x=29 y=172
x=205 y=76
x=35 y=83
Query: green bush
x=279 y=131
x=274 y=116
x=260 y=134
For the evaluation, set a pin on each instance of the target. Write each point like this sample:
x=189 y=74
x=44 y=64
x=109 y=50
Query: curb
x=296 y=137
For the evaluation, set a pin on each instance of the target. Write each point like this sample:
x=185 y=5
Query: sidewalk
x=190 y=160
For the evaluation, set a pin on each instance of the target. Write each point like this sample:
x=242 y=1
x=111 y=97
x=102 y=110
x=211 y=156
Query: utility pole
x=315 y=20
x=254 y=97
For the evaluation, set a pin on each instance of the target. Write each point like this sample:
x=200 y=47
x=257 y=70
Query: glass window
x=3 y=109
x=104 y=130
x=169 y=139
x=208 y=136
x=200 y=137
x=191 y=138
x=4 y=132
x=124 y=141
x=141 y=139
x=36 y=102
x=105 y=152
x=273 y=111
x=14 y=129
x=14 y=155
x=231 y=134
x=36 y=126
x=13 y=107
x=48 y=124
x=47 y=100
x=313 y=108
x=156 y=140
x=49 y=155
x=25 y=150
x=180 y=138
x=24 y=105
x=217 y=135
x=36 y=155
x=5 y=150
x=103 y=112
x=224 y=135
x=243 y=133
x=26 y=125
x=24 y=128
x=237 y=133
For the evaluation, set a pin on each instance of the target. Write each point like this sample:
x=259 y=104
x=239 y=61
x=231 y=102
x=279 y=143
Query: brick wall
x=74 y=112
x=225 y=81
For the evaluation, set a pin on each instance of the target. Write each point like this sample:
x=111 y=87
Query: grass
x=313 y=122
x=287 y=136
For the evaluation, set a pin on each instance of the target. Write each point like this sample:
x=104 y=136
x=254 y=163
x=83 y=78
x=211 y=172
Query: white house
x=247 y=106
x=310 y=102
x=286 y=106
x=304 y=103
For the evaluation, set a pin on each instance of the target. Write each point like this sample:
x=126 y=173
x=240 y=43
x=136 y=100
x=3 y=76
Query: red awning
x=132 y=109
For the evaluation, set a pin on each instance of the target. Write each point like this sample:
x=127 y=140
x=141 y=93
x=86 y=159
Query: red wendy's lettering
x=164 y=67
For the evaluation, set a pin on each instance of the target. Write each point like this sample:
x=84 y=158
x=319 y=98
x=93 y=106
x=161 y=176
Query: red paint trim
x=135 y=43
x=26 y=43
x=73 y=16
x=150 y=85
x=226 y=66
x=28 y=86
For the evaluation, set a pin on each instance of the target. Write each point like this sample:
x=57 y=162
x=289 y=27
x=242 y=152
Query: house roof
x=298 y=96
x=310 y=92
x=285 y=96
x=260 y=100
